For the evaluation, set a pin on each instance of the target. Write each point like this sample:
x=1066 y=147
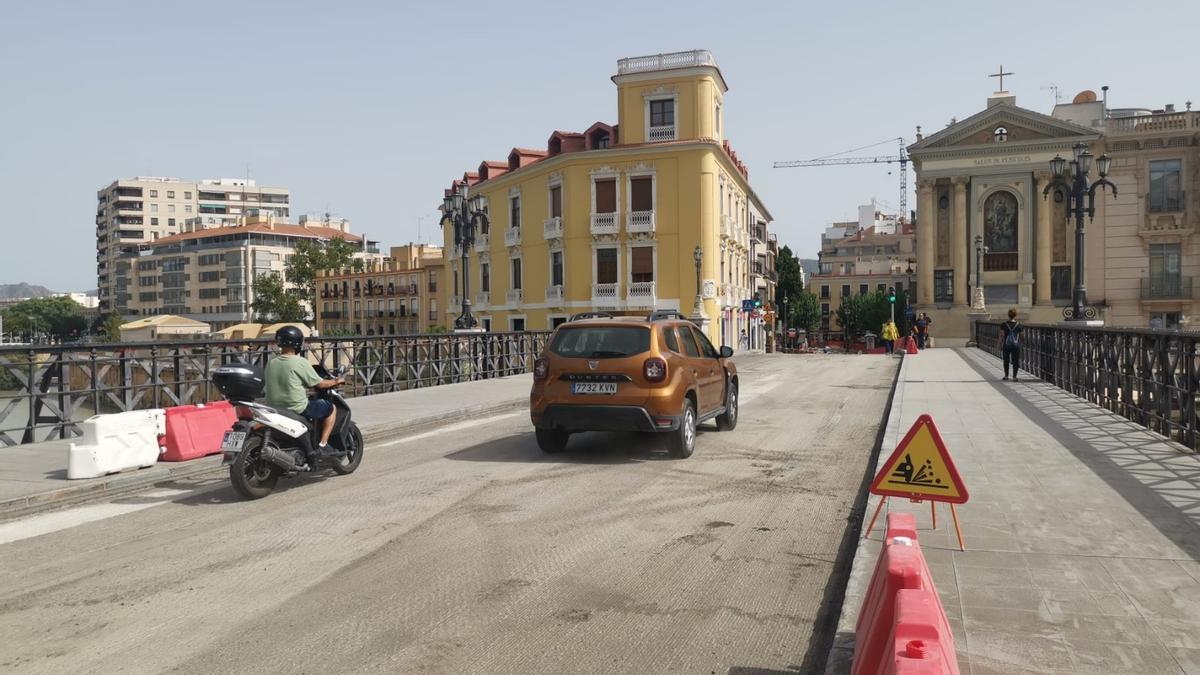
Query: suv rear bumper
x=602 y=418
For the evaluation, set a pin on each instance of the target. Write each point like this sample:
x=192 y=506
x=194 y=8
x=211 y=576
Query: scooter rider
x=288 y=378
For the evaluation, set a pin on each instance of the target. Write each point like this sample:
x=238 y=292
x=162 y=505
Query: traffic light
x=891 y=295
x=757 y=301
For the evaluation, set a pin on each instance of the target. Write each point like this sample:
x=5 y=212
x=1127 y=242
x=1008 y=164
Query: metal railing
x=1166 y=287
x=45 y=391
x=1146 y=376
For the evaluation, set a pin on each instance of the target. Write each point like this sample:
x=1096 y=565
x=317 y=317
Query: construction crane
x=834 y=159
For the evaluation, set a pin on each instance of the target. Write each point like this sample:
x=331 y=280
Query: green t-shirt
x=289 y=377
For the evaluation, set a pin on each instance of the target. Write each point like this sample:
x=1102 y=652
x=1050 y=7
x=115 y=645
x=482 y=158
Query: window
x=1165 y=320
x=514 y=211
x=147 y=281
x=1165 y=192
x=433 y=282
x=662 y=113
x=606 y=265
x=154 y=193
x=880 y=288
x=518 y=325
x=1165 y=281
x=824 y=309
x=556 y=201
x=153 y=221
x=209 y=293
x=170 y=208
x=154 y=208
x=170 y=194
x=213 y=275
x=556 y=268
x=717 y=120
x=600 y=341
x=641 y=264
x=641 y=193
x=485 y=277
x=187 y=195
x=606 y=195
x=943 y=285
x=148 y=297
x=1000 y=135
x=187 y=208
x=516 y=273
x=689 y=342
x=845 y=290
x=556 y=321
x=862 y=289
x=705 y=346
x=170 y=222
x=672 y=343
x=824 y=291
x=1060 y=282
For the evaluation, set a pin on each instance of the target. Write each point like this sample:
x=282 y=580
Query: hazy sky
x=369 y=108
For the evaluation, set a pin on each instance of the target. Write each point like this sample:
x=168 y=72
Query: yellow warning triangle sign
x=921 y=468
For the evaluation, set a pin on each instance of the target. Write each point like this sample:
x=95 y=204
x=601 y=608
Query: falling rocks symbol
x=921 y=468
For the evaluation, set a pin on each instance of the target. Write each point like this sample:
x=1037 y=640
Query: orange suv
x=659 y=373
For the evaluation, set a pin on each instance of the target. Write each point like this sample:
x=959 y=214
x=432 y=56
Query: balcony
x=555 y=296
x=553 y=228
x=605 y=223
x=606 y=295
x=1171 y=121
x=1166 y=288
x=727 y=229
x=663 y=133
x=515 y=296
x=1000 y=262
x=483 y=299
x=654 y=62
x=640 y=221
x=331 y=315
x=482 y=242
x=512 y=236
x=641 y=294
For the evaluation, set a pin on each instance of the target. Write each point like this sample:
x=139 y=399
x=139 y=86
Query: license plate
x=233 y=440
x=604 y=388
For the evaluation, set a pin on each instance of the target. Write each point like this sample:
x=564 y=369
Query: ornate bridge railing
x=1146 y=376
x=46 y=391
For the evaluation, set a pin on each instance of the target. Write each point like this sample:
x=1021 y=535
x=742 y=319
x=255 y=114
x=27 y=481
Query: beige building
x=208 y=274
x=397 y=295
x=860 y=257
x=985 y=177
x=141 y=210
x=165 y=327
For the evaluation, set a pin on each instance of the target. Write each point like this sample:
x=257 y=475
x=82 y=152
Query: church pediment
x=1001 y=125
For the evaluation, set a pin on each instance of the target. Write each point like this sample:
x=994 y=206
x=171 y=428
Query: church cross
x=1000 y=75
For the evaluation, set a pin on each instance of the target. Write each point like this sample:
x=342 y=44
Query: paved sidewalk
x=33 y=477
x=1082 y=531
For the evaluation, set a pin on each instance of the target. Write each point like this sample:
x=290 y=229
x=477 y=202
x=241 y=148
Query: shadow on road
x=583 y=448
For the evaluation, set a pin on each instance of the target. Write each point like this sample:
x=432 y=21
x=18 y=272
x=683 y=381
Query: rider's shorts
x=318 y=409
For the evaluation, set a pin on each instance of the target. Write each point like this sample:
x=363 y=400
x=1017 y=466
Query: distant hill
x=809 y=265
x=13 y=291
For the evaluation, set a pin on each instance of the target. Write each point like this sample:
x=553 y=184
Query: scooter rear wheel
x=252 y=476
x=354 y=450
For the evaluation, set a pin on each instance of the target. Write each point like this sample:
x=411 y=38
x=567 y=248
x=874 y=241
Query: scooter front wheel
x=354 y=450
x=252 y=476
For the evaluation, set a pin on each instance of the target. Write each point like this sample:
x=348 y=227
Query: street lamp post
x=1075 y=183
x=979 y=303
x=786 y=316
x=465 y=214
x=698 y=307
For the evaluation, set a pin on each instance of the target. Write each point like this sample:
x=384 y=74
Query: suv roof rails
x=660 y=314
x=591 y=315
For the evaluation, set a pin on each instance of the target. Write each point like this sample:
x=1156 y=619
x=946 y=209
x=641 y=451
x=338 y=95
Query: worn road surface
x=465 y=549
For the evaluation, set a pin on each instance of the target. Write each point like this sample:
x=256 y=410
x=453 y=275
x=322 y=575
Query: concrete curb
x=165 y=472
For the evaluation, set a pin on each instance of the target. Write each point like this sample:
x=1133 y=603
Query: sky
x=368 y=109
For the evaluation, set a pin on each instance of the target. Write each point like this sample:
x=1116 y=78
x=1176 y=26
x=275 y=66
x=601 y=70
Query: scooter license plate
x=233 y=441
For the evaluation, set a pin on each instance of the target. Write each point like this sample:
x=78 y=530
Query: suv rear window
x=598 y=342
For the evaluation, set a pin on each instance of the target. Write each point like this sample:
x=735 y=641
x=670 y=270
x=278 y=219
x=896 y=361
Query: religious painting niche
x=1000 y=231
x=943 y=228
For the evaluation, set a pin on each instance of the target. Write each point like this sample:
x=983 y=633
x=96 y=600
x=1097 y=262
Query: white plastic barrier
x=116 y=442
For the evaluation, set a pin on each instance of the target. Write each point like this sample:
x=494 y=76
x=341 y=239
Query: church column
x=959 y=242
x=926 y=238
x=1041 y=281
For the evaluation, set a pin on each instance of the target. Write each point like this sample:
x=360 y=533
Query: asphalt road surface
x=466 y=549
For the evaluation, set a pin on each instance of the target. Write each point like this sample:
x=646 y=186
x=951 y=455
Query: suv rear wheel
x=551 y=440
x=727 y=420
x=682 y=441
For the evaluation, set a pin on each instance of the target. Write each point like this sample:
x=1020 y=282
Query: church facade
x=981 y=180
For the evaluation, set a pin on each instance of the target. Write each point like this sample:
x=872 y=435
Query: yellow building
x=399 y=294
x=609 y=219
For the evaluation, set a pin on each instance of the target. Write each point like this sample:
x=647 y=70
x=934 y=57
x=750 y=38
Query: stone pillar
x=926 y=242
x=1044 y=239
x=960 y=242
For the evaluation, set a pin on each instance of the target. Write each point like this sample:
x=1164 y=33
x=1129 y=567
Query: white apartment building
x=140 y=210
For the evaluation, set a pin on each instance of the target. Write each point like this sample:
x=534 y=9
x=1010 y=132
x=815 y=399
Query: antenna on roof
x=1057 y=92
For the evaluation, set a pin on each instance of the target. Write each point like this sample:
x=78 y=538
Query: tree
x=309 y=257
x=111 y=328
x=272 y=302
x=787 y=267
x=861 y=313
x=805 y=311
x=59 y=317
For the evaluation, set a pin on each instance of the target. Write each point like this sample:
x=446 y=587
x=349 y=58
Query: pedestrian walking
x=1009 y=341
x=890 y=335
x=922 y=329
x=745 y=340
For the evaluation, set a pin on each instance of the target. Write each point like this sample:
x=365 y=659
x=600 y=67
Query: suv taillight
x=654 y=370
x=541 y=368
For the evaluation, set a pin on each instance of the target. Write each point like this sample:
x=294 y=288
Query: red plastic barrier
x=912 y=346
x=881 y=627
x=195 y=431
